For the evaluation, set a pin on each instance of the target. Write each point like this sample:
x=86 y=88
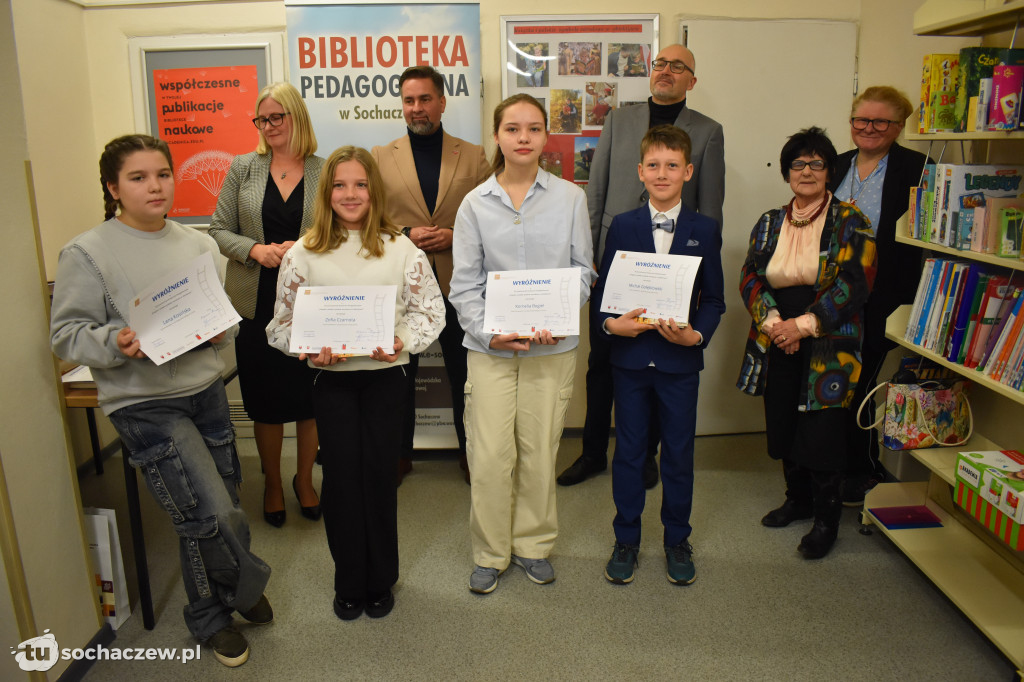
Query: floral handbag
x=925 y=414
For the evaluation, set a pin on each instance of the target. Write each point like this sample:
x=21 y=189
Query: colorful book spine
x=962 y=314
x=972 y=324
x=975 y=64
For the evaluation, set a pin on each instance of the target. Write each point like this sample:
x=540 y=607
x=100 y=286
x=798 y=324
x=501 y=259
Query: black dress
x=276 y=388
x=814 y=439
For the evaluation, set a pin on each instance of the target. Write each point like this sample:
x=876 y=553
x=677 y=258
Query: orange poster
x=205 y=116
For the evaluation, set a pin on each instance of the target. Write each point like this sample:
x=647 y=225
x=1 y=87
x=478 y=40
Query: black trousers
x=455 y=365
x=601 y=394
x=359 y=447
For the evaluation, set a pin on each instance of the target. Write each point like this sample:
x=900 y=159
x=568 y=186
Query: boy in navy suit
x=656 y=366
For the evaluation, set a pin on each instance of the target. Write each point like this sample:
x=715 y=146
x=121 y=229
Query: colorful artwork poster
x=605 y=58
x=346 y=61
x=564 y=116
x=533 y=62
x=601 y=97
x=205 y=117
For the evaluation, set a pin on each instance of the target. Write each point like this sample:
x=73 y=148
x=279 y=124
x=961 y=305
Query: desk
x=86 y=398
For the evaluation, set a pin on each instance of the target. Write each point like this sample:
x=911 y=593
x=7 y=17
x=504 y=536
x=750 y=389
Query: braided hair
x=112 y=160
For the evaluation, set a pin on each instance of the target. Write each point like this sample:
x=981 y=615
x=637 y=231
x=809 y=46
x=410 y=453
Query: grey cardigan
x=237 y=223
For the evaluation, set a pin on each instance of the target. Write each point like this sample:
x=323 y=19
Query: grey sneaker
x=483 y=580
x=229 y=646
x=539 y=571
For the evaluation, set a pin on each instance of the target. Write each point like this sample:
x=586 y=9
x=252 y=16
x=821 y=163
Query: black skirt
x=276 y=388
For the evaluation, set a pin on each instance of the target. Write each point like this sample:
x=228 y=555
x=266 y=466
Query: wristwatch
x=406 y=231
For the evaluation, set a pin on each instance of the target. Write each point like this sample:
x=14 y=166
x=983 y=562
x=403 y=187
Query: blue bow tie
x=669 y=225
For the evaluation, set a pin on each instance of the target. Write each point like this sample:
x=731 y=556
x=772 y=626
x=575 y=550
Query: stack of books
x=978 y=89
x=970 y=317
x=971 y=207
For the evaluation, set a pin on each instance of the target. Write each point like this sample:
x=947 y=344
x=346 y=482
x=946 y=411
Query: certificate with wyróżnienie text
x=181 y=310
x=350 y=320
x=660 y=284
x=524 y=302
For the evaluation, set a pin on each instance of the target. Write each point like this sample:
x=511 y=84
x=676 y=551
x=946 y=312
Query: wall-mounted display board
x=580 y=67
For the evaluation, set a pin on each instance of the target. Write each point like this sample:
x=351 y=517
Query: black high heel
x=311 y=513
x=274 y=518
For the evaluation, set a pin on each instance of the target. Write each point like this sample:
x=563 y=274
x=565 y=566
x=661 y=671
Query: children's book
x=922 y=292
x=979 y=293
x=975 y=64
x=989 y=315
x=961 y=316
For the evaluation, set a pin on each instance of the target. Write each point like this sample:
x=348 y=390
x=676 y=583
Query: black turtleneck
x=662 y=114
x=426 y=152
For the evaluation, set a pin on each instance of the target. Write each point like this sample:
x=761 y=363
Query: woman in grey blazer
x=265 y=204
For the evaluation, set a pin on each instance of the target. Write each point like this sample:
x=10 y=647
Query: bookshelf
x=982 y=576
x=965 y=17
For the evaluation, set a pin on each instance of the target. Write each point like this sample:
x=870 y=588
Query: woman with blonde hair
x=876 y=177
x=265 y=204
x=356 y=399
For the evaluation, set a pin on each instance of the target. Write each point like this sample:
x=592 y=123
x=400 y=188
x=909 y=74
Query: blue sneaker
x=619 y=568
x=680 y=564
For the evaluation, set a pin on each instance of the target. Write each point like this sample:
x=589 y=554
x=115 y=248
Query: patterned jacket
x=846 y=273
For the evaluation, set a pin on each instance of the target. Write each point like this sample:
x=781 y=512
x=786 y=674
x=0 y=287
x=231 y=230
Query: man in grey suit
x=614 y=187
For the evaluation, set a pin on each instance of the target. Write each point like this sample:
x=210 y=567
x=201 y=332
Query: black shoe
x=347 y=610
x=582 y=469
x=274 y=518
x=311 y=513
x=381 y=606
x=819 y=541
x=229 y=646
x=789 y=512
x=260 y=614
x=650 y=472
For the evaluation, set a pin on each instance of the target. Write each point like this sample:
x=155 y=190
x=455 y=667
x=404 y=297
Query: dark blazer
x=614 y=186
x=695 y=235
x=899 y=265
x=237 y=222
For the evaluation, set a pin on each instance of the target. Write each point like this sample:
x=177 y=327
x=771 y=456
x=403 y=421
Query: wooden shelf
x=971 y=24
x=896 y=326
x=998 y=135
x=942 y=461
x=991 y=259
x=988 y=589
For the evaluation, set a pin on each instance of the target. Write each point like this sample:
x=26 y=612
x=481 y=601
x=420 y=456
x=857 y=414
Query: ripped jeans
x=185 y=450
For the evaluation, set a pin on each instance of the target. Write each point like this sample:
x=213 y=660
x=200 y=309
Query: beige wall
x=44 y=554
x=101 y=89
x=69 y=124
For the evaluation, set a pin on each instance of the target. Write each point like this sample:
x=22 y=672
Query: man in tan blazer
x=427 y=173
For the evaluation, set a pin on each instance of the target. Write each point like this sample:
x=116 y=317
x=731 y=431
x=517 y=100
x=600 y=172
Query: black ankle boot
x=819 y=541
x=828 y=507
x=789 y=512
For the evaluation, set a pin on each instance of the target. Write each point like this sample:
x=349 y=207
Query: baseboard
x=77 y=670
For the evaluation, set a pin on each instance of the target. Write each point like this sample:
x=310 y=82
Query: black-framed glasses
x=676 y=66
x=273 y=120
x=816 y=165
x=879 y=124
